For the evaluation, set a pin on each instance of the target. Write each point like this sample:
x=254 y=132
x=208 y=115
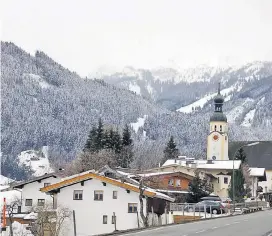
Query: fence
x=187 y=212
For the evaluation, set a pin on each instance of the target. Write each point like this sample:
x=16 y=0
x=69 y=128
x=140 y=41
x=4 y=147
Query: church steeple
x=218 y=107
x=217 y=148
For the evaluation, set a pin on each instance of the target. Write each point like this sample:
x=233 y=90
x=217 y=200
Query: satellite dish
x=214 y=158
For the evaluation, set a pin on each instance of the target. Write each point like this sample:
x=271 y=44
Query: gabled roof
x=35 y=179
x=259 y=153
x=204 y=164
x=74 y=180
x=257 y=171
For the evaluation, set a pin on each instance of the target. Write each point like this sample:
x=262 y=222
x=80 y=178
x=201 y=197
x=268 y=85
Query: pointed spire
x=219 y=88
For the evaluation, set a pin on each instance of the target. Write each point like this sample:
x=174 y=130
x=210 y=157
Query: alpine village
x=98 y=193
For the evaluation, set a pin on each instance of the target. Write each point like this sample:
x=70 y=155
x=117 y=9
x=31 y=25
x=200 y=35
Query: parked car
x=217 y=199
x=215 y=207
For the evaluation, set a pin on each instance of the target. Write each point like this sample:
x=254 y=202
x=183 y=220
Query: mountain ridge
x=45 y=104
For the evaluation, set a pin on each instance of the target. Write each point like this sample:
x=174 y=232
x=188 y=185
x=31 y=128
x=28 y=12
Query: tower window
x=226 y=138
x=215 y=128
x=220 y=128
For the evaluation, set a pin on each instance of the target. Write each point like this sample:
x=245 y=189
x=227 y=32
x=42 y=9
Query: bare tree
x=51 y=220
x=91 y=161
x=11 y=210
x=144 y=217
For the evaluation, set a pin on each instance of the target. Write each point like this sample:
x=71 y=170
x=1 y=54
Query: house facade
x=217 y=173
x=259 y=155
x=96 y=200
x=257 y=176
x=31 y=196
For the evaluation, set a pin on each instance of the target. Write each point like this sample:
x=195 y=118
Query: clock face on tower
x=215 y=137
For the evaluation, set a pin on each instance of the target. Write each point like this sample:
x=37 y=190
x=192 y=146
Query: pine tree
x=127 y=141
x=107 y=144
x=90 y=144
x=126 y=154
x=116 y=141
x=239 y=178
x=239 y=189
x=241 y=155
x=197 y=189
x=171 y=151
x=99 y=138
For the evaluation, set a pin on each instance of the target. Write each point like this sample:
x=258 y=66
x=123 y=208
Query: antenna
x=219 y=88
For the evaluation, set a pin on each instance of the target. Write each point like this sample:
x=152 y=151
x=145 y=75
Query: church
x=217 y=166
x=217 y=144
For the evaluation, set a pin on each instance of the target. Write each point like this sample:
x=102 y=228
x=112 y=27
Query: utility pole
x=74 y=220
x=233 y=188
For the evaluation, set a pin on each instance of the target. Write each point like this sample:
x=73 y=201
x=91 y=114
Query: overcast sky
x=85 y=35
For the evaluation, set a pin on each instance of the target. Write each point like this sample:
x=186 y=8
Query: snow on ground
x=11 y=195
x=4 y=180
x=248 y=118
x=140 y=123
x=254 y=67
x=19 y=229
x=150 y=90
x=237 y=111
x=201 y=102
x=38 y=79
x=36 y=160
x=135 y=88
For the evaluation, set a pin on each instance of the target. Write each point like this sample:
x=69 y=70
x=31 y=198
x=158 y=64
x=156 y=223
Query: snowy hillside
x=36 y=160
x=203 y=101
x=4 y=180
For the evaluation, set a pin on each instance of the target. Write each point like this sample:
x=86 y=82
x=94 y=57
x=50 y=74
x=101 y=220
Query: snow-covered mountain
x=45 y=104
x=176 y=89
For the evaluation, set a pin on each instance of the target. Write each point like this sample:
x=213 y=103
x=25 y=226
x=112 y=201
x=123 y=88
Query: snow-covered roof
x=257 y=171
x=152 y=174
x=171 y=191
x=204 y=164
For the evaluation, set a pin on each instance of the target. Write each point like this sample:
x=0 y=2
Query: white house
x=257 y=175
x=31 y=195
x=95 y=199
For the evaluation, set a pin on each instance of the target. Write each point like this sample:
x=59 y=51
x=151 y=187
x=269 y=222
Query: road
x=255 y=224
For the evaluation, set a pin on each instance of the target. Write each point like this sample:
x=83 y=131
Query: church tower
x=217 y=146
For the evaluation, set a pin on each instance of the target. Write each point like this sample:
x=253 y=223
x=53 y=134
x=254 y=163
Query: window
x=98 y=195
x=78 y=194
x=178 y=183
x=226 y=138
x=132 y=207
x=41 y=202
x=113 y=219
x=220 y=128
x=215 y=128
x=105 y=219
x=114 y=194
x=171 y=182
x=46 y=184
x=28 y=202
x=226 y=181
